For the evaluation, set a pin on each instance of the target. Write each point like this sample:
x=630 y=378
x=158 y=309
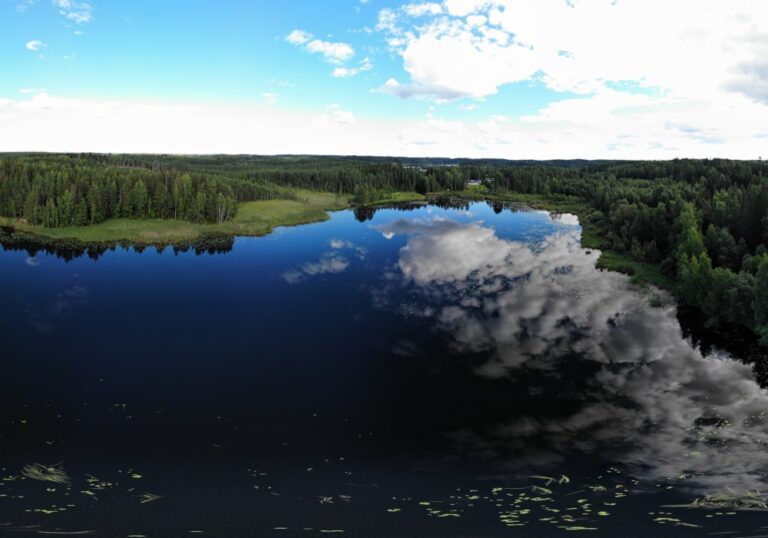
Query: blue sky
x=504 y=78
x=212 y=51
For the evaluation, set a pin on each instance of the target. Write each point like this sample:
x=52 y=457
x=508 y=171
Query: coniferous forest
x=703 y=223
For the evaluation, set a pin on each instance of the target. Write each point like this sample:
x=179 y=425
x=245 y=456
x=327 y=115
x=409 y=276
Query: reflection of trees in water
x=499 y=205
x=70 y=249
x=366 y=213
x=363 y=214
x=737 y=340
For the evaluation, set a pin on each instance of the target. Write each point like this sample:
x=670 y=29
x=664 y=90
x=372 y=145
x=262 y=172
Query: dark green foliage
x=760 y=303
x=57 y=191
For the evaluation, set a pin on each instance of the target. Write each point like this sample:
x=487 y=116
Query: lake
x=406 y=372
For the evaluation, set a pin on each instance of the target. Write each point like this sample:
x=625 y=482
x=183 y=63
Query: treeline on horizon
x=78 y=190
x=703 y=222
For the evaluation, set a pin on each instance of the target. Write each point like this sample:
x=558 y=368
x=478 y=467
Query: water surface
x=430 y=372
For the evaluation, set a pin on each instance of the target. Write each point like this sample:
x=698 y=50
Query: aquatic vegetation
x=67 y=533
x=46 y=473
x=97 y=484
x=749 y=500
x=148 y=498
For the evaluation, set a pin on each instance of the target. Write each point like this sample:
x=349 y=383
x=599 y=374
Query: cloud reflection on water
x=647 y=397
x=329 y=263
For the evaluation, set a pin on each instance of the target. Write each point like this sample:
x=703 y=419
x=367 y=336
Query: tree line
x=58 y=191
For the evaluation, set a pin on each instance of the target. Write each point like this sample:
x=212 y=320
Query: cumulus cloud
x=640 y=391
x=298 y=37
x=332 y=52
x=472 y=48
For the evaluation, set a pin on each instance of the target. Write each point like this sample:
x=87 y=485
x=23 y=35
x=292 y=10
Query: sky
x=516 y=79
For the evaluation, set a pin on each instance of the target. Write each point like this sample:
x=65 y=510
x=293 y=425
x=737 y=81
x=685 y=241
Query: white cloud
x=34 y=45
x=465 y=7
x=471 y=48
x=77 y=12
x=329 y=263
x=332 y=52
x=698 y=86
x=326 y=265
x=50 y=123
x=298 y=37
x=609 y=124
x=424 y=8
x=345 y=72
x=339 y=115
x=387 y=21
x=340 y=243
x=342 y=72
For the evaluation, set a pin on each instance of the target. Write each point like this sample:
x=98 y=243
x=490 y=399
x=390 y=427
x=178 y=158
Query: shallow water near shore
x=419 y=371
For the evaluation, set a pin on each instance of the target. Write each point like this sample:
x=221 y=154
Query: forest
x=703 y=223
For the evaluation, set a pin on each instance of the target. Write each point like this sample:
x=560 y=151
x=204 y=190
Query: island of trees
x=700 y=225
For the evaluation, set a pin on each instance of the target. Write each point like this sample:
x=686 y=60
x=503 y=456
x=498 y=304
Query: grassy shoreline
x=252 y=219
x=397 y=198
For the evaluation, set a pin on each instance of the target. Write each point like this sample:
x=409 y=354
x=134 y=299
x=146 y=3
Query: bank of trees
x=56 y=194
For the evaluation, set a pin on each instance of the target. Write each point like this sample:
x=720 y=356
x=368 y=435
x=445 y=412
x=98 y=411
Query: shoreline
x=260 y=218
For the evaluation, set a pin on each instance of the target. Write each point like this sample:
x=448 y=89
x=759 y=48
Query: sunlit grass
x=641 y=272
x=399 y=197
x=252 y=219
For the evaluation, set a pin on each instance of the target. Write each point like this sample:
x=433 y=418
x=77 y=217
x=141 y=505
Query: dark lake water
x=431 y=372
